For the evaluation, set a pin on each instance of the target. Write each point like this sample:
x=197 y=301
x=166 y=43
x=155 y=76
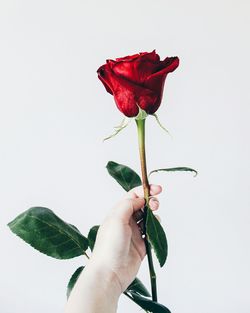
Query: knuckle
x=126 y=203
x=122 y=204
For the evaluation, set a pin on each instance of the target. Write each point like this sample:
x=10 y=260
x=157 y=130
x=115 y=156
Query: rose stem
x=146 y=188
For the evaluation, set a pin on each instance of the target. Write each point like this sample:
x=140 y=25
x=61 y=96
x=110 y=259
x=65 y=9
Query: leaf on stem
x=137 y=287
x=175 y=169
x=147 y=304
x=46 y=232
x=156 y=237
x=124 y=175
x=92 y=236
x=73 y=280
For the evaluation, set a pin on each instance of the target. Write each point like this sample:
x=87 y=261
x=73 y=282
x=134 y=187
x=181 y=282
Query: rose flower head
x=137 y=81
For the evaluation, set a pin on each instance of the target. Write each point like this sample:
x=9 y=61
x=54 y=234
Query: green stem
x=146 y=188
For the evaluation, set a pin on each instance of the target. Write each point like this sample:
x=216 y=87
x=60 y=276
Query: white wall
x=55 y=112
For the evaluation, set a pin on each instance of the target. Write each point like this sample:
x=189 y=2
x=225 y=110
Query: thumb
x=126 y=208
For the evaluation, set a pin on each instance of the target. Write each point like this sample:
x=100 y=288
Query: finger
x=137 y=192
x=154 y=203
x=138 y=215
x=137 y=240
x=126 y=208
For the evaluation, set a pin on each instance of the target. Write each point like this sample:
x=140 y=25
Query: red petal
x=137 y=68
x=156 y=81
x=126 y=102
x=171 y=63
x=149 y=55
x=104 y=78
x=137 y=81
x=128 y=57
x=149 y=101
x=124 y=92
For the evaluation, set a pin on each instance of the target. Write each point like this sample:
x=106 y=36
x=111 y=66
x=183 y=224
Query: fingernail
x=154 y=199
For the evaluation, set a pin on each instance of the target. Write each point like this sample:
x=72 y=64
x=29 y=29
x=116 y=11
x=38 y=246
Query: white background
x=55 y=113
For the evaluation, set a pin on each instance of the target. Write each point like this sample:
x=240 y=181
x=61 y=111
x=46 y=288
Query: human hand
x=119 y=246
x=116 y=258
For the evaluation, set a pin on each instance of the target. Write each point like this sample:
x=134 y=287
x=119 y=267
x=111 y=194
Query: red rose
x=137 y=81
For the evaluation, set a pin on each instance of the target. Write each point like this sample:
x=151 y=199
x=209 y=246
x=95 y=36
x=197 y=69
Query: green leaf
x=73 y=280
x=124 y=175
x=156 y=237
x=46 y=232
x=147 y=304
x=92 y=236
x=175 y=169
x=138 y=287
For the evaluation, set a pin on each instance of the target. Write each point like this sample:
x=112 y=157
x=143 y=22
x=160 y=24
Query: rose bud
x=137 y=81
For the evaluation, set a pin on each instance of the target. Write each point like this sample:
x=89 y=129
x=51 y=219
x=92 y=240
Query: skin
x=116 y=259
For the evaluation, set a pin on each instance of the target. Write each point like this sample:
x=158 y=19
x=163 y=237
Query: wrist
x=96 y=290
x=103 y=282
x=103 y=278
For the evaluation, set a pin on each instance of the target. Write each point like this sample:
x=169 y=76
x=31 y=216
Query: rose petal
x=124 y=93
x=149 y=101
x=102 y=76
x=137 y=81
x=138 y=68
x=156 y=81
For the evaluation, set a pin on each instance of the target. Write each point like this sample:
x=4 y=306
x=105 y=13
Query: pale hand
x=116 y=259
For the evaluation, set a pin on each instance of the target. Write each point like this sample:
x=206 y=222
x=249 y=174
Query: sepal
x=160 y=124
x=117 y=129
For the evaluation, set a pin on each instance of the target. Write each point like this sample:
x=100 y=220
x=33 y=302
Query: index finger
x=137 y=192
x=126 y=208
